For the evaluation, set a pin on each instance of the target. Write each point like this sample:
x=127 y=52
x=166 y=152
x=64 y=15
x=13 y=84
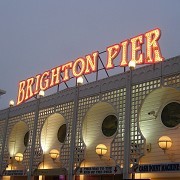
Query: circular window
x=61 y=133
x=26 y=138
x=170 y=115
x=109 y=125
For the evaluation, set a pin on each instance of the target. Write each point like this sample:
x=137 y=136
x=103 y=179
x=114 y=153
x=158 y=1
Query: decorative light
x=41 y=93
x=165 y=143
x=79 y=80
x=54 y=154
x=136 y=45
x=18 y=157
x=11 y=103
x=152 y=47
x=132 y=64
x=76 y=70
x=112 y=53
x=101 y=150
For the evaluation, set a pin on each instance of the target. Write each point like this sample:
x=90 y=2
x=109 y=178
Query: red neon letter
x=29 y=88
x=37 y=84
x=136 y=45
x=124 y=61
x=44 y=81
x=113 y=52
x=91 y=62
x=153 y=52
x=76 y=65
x=66 y=68
x=21 y=92
x=55 y=76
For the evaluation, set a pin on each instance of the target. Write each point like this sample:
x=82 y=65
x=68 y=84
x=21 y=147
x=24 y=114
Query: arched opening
x=53 y=135
x=17 y=143
x=99 y=127
x=159 y=116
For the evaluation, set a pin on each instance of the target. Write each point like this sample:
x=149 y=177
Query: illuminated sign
x=14 y=173
x=88 y=64
x=144 y=168
x=99 y=170
x=50 y=172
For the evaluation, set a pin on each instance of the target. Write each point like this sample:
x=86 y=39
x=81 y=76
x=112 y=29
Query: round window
x=26 y=138
x=170 y=115
x=61 y=133
x=109 y=125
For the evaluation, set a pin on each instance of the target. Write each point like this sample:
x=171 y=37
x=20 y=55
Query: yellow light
x=55 y=76
x=132 y=64
x=82 y=177
x=79 y=80
x=19 y=157
x=44 y=80
x=65 y=69
x=165 y=142
x=41 y=93
x=124 y=61
x=112 y=53
x=11 y=103
x=54 y=154
x=136 y=45
x=101 y=149
x=78 y=62
x=153 y=51
x=91 y=63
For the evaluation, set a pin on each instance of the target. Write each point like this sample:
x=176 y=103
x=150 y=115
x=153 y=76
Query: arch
x=93 y=135
x=151 y=125
x=152 y=106
x=49 y=138
x=16 y=138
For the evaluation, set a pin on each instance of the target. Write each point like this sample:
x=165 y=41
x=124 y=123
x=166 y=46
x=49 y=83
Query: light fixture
x=165 y=143
x=79 y=80
x=11 y=103
x=132 y=64
x=54 y=154
x=101 y=150
x=18 y=157
x=41 y=93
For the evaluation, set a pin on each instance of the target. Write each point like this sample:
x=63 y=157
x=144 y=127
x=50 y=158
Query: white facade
x=136 y=98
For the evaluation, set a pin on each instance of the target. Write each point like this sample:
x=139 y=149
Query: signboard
x=99 y=170
x=14 y=173
x=50 y=172
x=143 y=49
x=146 y=168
